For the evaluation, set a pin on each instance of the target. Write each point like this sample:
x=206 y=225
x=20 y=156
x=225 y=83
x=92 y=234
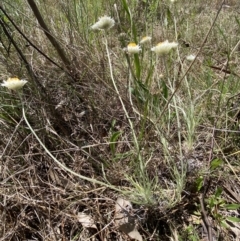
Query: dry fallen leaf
x=124 y=221
x=86 y=220
x=135 y=235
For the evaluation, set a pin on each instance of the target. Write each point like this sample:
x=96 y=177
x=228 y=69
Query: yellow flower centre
x=13 y=79
x=132 y=45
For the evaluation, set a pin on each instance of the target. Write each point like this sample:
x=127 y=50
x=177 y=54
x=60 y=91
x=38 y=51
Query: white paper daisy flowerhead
x=14 y=83
x=146 y=39
x=164 y=47
x=104 y=23
x=133 y=48
x=190 y=57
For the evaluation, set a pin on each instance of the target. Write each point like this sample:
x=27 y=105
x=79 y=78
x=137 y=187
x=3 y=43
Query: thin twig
x=53 y=41
x=28 y=40
x=205 y=218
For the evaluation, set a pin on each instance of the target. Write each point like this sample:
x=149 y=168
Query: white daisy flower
x=14 y=83
x=104 y=23
x=133 y=48
x=145 y=39
x=164 y=47
x=190 y=57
